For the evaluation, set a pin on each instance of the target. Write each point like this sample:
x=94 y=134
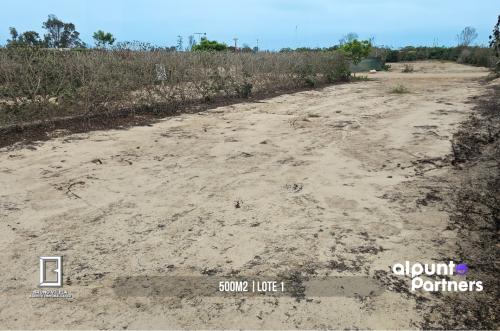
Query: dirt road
x=342 y=181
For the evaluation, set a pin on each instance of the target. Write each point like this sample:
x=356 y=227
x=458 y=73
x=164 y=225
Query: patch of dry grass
x=399 y=89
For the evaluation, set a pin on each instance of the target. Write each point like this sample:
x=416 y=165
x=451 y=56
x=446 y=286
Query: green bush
x=209 y=45
x=357 y=50
x=479 y=56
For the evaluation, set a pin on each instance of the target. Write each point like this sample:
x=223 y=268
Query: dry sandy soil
x=342 y=181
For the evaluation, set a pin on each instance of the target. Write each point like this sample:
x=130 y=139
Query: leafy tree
x=180 y=42
x=60 y=34
x=27 y=38
x=30 y=38
x=13 y=33
x=357 y=50
x=209 y=45
x=467 y=36
x=103 y=39
x=351 y=36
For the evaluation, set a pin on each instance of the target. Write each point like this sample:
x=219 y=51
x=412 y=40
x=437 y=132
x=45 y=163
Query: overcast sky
x=276 y=23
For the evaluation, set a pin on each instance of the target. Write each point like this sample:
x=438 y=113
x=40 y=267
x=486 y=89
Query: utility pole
x=204 y=34
x=257 y=44
x=235 y=44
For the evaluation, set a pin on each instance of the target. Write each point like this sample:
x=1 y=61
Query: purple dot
x=462 y=269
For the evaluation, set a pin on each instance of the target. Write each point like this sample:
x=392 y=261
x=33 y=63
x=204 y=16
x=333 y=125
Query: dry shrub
x=41 y=84
x=477 y=56
x=400 y=89
x=408 y=68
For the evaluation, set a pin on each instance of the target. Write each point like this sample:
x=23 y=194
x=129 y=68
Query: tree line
x=59 y=34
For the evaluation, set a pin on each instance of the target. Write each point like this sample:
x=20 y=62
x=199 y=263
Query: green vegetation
x=103 y=39
x=400 y=89
x=464 y=52
x=479 y=56
x=37 y=83
x=209 y=45
x=59 y=35
x=357 y=50
x=28 y=38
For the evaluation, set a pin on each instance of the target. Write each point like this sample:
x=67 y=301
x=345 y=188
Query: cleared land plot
x=342 y=181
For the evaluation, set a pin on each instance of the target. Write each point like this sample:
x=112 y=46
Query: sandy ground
x=317 y=183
